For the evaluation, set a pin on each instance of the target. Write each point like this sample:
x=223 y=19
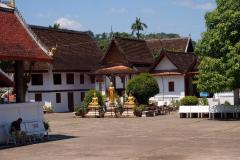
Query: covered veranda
x=119 y=75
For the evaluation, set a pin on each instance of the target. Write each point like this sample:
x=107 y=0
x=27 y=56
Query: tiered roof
x=172 y=44
x=17 y=40
x=139 y=53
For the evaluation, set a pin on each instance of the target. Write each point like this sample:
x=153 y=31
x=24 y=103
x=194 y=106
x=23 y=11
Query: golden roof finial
x=12 y=4
x=52 y=50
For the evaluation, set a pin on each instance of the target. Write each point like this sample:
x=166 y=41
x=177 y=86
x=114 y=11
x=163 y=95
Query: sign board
x=204 y=94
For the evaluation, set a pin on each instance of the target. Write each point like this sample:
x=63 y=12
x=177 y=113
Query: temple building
x=62 y=84
x=171 y=61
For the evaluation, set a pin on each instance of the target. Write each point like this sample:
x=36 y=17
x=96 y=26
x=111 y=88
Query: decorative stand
x=93 y=112
x=111 y=111
x=128 y=111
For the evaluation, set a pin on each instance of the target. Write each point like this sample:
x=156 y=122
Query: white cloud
x=69 y=23
x=148 y=11
x=118 y=10
x=195 y=5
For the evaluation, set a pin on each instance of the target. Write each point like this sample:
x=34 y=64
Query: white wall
x=50 y=90
x=165 y=64
x=179 y=86
x=11 y=112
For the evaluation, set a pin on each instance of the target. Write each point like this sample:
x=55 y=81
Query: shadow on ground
x=52 y=138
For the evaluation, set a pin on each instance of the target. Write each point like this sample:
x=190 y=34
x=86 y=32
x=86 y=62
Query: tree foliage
x=219 y=48
x=55 y=26
x=138 y=26
x=143 y=87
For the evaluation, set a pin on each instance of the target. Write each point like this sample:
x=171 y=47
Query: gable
x=17 y=40
x=114 y=56
x=165 y=64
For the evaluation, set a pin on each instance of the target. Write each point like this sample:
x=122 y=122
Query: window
x=82 y=96
x=58 y=97
x=37 y=79
x=38 y=97
x=81 y=78
x=171 y=86
x=57 y=79
x=70 y=78
x=92 y=79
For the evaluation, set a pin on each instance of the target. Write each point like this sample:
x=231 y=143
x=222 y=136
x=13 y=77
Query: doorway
x=70 y=102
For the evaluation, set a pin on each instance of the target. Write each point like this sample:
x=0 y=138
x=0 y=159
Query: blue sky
x=171 y=16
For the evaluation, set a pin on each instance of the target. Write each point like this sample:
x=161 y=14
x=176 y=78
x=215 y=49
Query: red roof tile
x=17 y=40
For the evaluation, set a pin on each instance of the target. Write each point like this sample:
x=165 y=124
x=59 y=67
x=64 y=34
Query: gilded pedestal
x=128 y=111
x=93 y=112
x=111 y=111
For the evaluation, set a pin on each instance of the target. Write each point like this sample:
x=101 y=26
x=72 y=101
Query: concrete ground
x=164 y=137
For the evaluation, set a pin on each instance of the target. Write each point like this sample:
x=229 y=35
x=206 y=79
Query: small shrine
x=129 y=106
x=94 y=107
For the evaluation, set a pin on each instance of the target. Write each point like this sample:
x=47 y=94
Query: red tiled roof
x=5 y=81
x=76 y=51
x=17 y=42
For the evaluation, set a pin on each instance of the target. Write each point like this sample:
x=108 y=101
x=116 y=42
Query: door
x=70 y=102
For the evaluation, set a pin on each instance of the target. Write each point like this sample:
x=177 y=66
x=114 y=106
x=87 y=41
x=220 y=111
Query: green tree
x=55 y=26
x=219 y=50
x=138 y=26
x=143 y=87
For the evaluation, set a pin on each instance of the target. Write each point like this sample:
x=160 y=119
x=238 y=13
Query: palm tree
x=138 y=26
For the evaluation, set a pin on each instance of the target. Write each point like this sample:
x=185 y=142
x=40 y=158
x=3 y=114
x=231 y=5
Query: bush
x=189 y=101
x=175 y=104
x=137 y=110
x=204 y=101
x=89 y=95
x=227 y=103
x=81 y=110
x=143 y=87
x=48 y=109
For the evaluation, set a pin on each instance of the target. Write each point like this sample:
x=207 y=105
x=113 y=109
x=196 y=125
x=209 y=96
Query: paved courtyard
x=163 y=137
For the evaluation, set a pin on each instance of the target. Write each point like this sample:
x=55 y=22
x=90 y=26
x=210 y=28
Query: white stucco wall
x=179 y=88
x=165 y=64
x=49 y=90
x=29 y=112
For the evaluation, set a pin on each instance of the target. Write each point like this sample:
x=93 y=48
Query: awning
x=166 y=73
x=115 y=70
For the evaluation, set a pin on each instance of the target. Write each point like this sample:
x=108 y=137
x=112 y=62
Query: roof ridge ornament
x=52 y=50
x=12 y=3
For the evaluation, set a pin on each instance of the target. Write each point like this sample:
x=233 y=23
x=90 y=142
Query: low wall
x=11 y=112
